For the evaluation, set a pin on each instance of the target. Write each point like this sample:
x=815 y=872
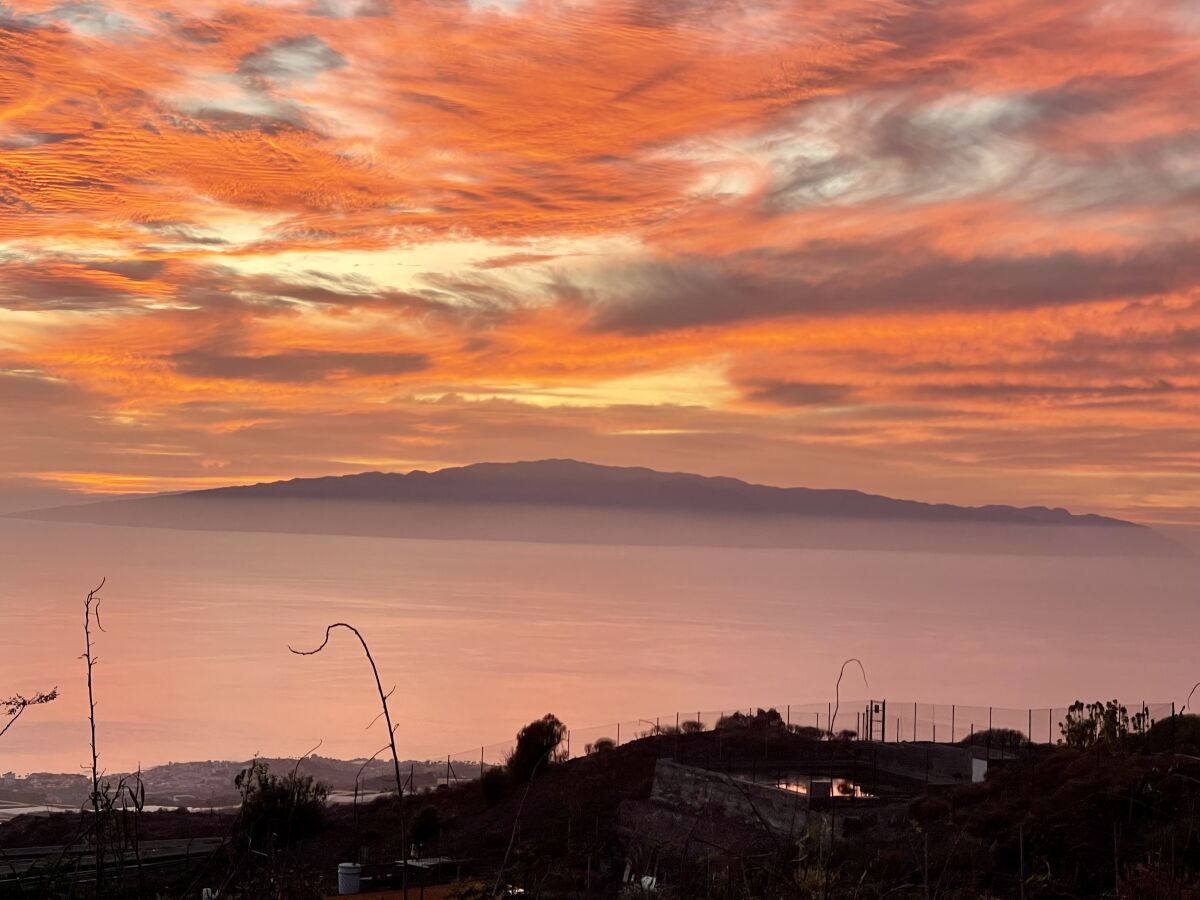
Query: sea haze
x=479 y=636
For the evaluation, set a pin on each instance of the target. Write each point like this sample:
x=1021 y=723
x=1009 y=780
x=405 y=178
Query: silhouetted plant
x=537 y=744
x=837 y=688
x=1180 y=734
x=600 y=745
x=91 y=613
x=691 y=726
x=383 y=697
x=808 y=732
x=762 y=718
x=12 y=707
x=1095 y=725
x=387 y=717
x=996 y=737
x=279 y=809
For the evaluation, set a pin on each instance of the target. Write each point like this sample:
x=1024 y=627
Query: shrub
x=996 y=737
x=691 y=726
x=291 y=807
x=600 y=745
x=1180 y=734
x=1095 y=725
x=808 y=732
x=763 y=718
x=537 y=745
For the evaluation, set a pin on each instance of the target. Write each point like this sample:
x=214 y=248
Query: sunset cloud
x=924 y=249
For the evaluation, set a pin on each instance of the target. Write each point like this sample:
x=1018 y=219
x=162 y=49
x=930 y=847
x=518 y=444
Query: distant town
x=209 y=784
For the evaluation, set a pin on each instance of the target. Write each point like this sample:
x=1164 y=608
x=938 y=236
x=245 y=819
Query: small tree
x=537 y=745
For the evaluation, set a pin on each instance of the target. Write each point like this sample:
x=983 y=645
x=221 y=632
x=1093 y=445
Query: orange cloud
x=937 y=250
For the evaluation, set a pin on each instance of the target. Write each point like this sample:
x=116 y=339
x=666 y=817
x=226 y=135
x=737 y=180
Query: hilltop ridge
x=569 y=482
x=567 y=501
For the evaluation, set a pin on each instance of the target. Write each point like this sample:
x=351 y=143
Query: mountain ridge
x=562 y=501
x=569 y=482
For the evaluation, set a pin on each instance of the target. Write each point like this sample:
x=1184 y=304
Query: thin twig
x=837 y=690
x=1186 y=704
x=16 y=705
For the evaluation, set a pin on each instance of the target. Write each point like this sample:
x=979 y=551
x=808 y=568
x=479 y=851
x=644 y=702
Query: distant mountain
x=567 y=482
x=565 y=501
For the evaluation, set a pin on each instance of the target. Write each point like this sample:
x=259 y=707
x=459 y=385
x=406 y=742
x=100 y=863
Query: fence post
x=481 y=762
x=1030 y=725
x=618 y=734
x=914 y=723
x=568 y=744
x=883 y=724
x=789 y=716
x=952 y=734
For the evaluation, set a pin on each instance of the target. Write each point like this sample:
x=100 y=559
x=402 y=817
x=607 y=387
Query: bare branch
x=837 y=690
x=90 y=613
x=383 y=697
x=1188 y=702
x=17 y=704
x=296 y=768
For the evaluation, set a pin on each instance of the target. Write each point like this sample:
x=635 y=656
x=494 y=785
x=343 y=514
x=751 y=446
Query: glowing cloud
x=925 y=249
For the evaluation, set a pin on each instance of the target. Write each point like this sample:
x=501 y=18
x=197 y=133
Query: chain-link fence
x=887 y=721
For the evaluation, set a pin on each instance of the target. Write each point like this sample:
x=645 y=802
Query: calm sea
x=479 y=637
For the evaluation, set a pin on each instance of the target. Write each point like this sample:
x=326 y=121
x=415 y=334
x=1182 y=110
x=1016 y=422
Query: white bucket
x=349 y=878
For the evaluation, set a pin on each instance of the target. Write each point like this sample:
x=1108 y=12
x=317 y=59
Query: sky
x=942 y=250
